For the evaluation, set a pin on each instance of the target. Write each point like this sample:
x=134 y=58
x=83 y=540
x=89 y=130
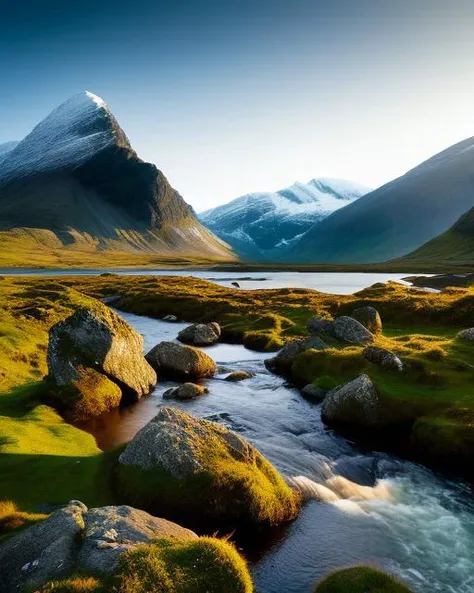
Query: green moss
x=73 y=584
x=13 y=520
x=360 y=579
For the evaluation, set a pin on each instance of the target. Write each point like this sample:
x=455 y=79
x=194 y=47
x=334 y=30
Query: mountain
x=6 y=147
x=261 y=225
x=398 y=217
x=454 y=247
x=76 y=175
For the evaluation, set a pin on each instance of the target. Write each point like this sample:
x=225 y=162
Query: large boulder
x=384 y=358
x=181 y=362
x=467 y=335
x=313 y=393
x=355 y=404
x=282 y=362
x=95 y=359
x=349 y=330
x=370 y=318
x=320 y=326
x=185 y=391
x=77 y=539
x=200 y=334
x=200 y=470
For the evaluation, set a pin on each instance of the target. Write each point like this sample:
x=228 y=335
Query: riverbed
x=409 y=521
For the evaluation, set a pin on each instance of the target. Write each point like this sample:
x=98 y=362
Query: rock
x=45 y=551
x=318 y=325
x=170 y=318
x=200 y=334
x=386 y=359
x=236 y=284
x=181 y=362
x=94 y=348
x=199 y=469
x=370 y=318
x=282 y=362
x=313 y=393
x=185 y=391
x=357 y=403
x=111 y=531
x=239 y=376
x=349 y=330
x=467 y=335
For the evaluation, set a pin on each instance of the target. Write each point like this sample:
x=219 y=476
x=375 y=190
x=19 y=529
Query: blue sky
x=232 y=97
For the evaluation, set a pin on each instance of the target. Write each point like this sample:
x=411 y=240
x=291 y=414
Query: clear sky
x=237 y=96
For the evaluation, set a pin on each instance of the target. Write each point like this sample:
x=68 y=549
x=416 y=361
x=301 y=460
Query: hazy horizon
x=229 y=100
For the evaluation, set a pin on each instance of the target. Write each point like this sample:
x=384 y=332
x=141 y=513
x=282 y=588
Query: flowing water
x=376 y=508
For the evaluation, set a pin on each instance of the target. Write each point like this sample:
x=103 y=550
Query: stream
x=394 y=514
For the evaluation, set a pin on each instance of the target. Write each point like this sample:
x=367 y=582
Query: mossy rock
x=202 y=471
x=180 y=362
x=360 y=579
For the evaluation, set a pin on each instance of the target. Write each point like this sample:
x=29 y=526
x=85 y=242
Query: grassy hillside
x=455 y=247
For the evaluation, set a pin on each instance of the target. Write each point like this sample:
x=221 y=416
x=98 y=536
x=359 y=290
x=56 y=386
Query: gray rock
x=467 y=335
x=99 y=339
x=180 y=362
x=170 y=318
x=349 y=330
x=370 y=318
x=356 y=403
x=185 y=391
x=238 y=376
x=43 y=552
x=111 y=531
x=200 y=334
x=236 y=284
x=318 y=325
x=313 y=393
x=281 y=363
x=386 y=359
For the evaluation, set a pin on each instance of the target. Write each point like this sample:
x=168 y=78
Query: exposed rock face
x=370 y=318
x=185 y=391
x=349 y=330
x=386 y=359
x=238 y=376
x=181 y=362
x=95 y=343
x=318 y=325
x=467 y=335
x=357 y=403
x=110 y=531
x=200 y=468
x=282 y=362
x=75 y=538
x=313 y=393
x=200 y=334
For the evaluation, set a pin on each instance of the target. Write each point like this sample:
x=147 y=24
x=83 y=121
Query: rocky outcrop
x=357 y=403
x=384 y=358
x=200 y=334
x=196 y=468
x=370 y=318
x=236 y=376
x=180 y=362
x=467 y=335
x=349 y=330
x=283 y=361
x=185 y=391
x=95 y=359
x=77 y=539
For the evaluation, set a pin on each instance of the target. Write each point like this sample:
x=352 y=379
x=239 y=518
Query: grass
x=360 y=579
x=13 y=520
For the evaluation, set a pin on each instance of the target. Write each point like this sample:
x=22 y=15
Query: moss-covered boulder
x=176 y=361
x=200 y=334
x=237 y=376
x=369 y=317
x=350 y=330
x=95 y=360
x=202 y=471
x=185 y=391
x=360 y=579
x=283 y=361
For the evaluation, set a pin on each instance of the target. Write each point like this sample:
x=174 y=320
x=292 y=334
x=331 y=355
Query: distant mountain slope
x=77 y=175
x=455 y=246
x=398 y=217
x=260 y=225
x=6 y=147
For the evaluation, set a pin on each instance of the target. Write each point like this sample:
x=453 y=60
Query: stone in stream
x=185 y=391
x=236 y=284
x=384 y=358
x=197 y=469
x=200 y=334
x=467 y=335
x=181 y=362
x=74 y=539
x=170 y=318
x=315 y=394
x=370 y=318
x=349 y=330
x=236 y=376
x=95 y=359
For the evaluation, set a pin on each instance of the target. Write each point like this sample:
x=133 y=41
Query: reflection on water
x=404 y=519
